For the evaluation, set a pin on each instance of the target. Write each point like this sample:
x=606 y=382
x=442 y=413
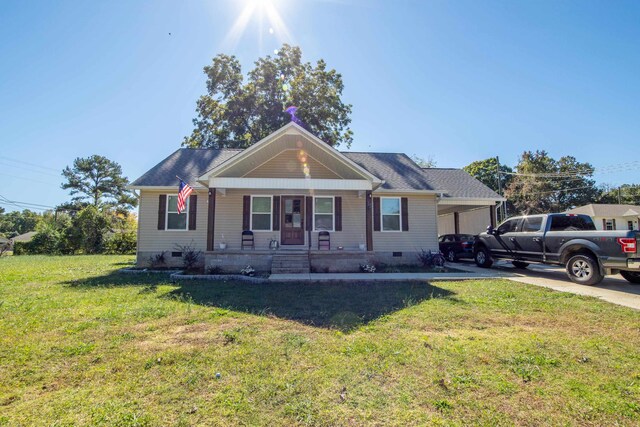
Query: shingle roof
x=458 y=183
x=188 y=163
x=607 y=210
x=397 y=170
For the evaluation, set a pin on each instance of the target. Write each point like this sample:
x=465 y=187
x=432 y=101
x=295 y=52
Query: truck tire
x=631 y=276
x=584 y=270
x=482 y=257
x=520 y=264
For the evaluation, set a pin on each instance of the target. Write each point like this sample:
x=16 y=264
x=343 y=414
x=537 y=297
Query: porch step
x=294 y=263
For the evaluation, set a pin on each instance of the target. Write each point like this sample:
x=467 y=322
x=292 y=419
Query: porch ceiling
x=448 y=209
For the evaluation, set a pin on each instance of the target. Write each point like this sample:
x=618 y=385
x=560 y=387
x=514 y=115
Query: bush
x=430 y=259
x=121 y=243
x=190 y=255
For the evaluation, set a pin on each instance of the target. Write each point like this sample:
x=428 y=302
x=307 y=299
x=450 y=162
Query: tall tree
x=98 y=181
x=486 y=171
x=542 y=184
x=626 y=194
x=235 y=113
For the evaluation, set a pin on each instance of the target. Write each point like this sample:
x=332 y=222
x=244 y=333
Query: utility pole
x=619 y=198
x=503 y=207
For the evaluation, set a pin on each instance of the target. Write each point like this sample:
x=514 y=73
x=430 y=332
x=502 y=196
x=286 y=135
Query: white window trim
x=185 y=211
x=382 y=230
x=333 y=213
x=261 y=213
x=608 y=222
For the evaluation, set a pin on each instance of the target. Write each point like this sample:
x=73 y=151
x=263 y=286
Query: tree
x=15 y=223
x=428 y=163
x=626 y=194
x=98 y=181
x=486 y=171
x=235 y=113
x=542 y=184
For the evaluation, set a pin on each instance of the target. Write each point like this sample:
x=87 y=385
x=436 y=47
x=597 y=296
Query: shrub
x=158 y=260
x=430 y=259
x=190 y=255
x=367 y=268
x=121 y=243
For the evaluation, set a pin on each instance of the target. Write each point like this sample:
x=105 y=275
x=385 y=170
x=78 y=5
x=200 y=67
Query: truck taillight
x=628 y=244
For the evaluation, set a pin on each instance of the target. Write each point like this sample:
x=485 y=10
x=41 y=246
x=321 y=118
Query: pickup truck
x=562 y=239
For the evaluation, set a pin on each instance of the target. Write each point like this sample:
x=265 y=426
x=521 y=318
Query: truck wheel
x=451 y=256
x=520 y=264
x=584 y=270
x=631 y=276
x=482 y=257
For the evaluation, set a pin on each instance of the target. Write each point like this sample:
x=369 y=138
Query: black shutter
x=193 y=211
x=246 y=212
x=404 y=211
x=376 y=214
x=276 y=213
x=338 y=212
x=309 y=213
x=162 y=211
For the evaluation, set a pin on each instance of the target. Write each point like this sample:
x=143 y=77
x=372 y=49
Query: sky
x=454 y=81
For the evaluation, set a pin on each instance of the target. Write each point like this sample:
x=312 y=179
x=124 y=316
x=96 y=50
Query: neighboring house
x=290 y=187
x=26 y=237
x=611 y=217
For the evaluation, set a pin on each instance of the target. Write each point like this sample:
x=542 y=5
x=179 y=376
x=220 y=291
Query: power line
x=27 y=163
x=29 y=169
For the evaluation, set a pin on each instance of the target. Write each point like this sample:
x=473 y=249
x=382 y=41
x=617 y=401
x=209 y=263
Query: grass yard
x=83 y=345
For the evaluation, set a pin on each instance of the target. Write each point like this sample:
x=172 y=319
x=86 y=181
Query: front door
x=292 y=227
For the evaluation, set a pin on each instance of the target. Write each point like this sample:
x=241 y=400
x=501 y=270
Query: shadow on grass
x=343 y=306
x=339 y=305
x=117 y=278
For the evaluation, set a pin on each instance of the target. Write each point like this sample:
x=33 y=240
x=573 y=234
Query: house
x=289 y=188
x=611 y=216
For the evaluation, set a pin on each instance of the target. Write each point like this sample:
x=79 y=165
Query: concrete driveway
x=613 y=289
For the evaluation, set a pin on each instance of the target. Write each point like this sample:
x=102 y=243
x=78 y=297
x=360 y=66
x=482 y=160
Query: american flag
x=183 y=194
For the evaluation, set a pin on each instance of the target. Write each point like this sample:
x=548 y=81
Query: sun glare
x=258 y=12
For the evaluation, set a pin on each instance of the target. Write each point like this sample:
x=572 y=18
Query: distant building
x=611 y=217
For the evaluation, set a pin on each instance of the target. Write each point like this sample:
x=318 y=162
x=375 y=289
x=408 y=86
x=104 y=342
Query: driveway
x=613 y=289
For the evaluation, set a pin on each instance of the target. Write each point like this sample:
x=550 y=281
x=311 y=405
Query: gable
x=292 y=164
x=307 y=148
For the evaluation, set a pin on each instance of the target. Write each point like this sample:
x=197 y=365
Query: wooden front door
x=292 y=226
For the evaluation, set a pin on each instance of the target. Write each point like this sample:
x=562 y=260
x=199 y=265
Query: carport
x=465 y=205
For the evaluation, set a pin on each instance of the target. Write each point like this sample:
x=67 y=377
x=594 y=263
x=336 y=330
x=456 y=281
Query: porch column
x=368 y=221
x=456 y=222
x=492 y=214
x=211 y=218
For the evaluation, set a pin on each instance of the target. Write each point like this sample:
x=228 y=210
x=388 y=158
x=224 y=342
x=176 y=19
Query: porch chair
x=324 y=241
x=247 y=240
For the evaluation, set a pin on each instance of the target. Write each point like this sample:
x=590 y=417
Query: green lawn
x=83 y=345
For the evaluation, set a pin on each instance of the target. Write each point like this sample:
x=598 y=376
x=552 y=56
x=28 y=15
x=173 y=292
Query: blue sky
x=457 y=81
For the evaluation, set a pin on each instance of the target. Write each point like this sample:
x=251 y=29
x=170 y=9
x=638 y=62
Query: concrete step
x=289 y=270
x=292 y=263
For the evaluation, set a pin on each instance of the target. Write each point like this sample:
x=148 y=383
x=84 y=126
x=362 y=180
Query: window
x=175 y=220
x=323 y=213
x=261 y=213
x=571 y=223
x=509 y=226
x=532 y=224
x=390 y=212
x=630 y=225
x=609 y=225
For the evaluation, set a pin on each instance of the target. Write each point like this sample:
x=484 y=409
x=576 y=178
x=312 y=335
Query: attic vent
x=176 y=254
x=397 y=254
